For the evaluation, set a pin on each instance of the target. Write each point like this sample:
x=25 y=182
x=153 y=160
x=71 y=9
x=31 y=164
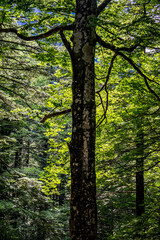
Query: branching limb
x=113 y=48
x=146 y=79
x=130 y=61
x=105 y=108
x=40 y=36
x=66 y=43
x=100 y=121
x=102 y=6
x=101 y=101
x=108 y=74
x=151 y=167
x=104 y=44
x=55 y=114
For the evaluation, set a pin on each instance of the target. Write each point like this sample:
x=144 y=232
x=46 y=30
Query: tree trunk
x=28 y=153
x=61 y=189
x=83 y=216
x=140 y=208
x=18 y=154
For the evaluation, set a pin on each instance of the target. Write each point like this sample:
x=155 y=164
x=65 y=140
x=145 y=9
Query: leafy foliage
x=35 y=80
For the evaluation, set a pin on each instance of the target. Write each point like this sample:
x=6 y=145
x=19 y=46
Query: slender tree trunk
x=61 y=189
x=28 y=153
x=83 y=218
x=18 y=154
x=140 y=208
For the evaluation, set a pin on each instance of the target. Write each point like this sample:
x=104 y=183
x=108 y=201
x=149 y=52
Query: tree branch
x=131 y=62
x=106 y=90
x=140 y=73
x=102 y=6
x=108 y=74
x=152 y=166
x=21 y=44
x=55 y=114
x=40 y=36
x=17 y=94
x=3 y=99
x=113 y=48
x=18 y=82
x=66 y=43
x=104 y=44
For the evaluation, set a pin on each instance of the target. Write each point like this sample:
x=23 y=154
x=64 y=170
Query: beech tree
x=125 y=29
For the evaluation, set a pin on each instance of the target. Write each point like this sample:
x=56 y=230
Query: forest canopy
x=79 y=119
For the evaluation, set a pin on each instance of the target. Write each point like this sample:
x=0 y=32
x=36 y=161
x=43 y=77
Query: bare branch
x=100 y=121
x=102 y=6
x=55 y=114
x=40 y=36
x=101 y=100
x=108 y=74
x=66 y=43
x=105 y=108
x=106 y=90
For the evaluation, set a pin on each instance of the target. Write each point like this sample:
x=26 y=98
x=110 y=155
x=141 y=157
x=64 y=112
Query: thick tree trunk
x=140 y=208
x=83 y=219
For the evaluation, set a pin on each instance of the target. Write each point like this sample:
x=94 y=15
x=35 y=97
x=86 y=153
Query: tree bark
x=83 y=213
